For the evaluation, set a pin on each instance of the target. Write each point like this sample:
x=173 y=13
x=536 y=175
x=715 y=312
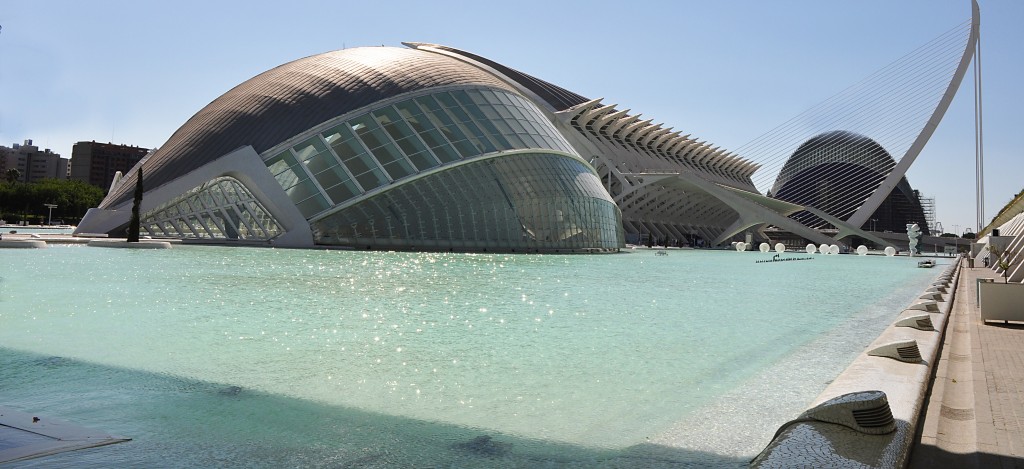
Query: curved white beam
x=860 y=217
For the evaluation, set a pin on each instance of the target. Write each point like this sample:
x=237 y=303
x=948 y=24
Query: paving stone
x=997 y=362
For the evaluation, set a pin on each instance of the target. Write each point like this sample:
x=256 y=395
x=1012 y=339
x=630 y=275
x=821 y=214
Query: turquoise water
x=210 y=356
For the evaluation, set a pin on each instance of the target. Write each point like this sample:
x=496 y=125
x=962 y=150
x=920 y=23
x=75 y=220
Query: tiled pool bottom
x=217 y=356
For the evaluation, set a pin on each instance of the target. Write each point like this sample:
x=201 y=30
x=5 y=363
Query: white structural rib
x=876 y=199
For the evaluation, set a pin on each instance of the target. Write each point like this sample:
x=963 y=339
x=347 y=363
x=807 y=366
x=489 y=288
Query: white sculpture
x=913 y=232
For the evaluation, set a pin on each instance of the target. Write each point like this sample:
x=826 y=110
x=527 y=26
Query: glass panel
x=502 y=127
x=331 y=177
x=386 y=154
x=394 y=163
x=462 y=98
x=490 y=97
x=490 y=112
x=363 y=124
x=446 y=153
x=347 y=149
x=360 y=164
x=516 y=113
x=515 y=141
x=429 y=103
x=460 y=114
x=279 y=163
x=504 y=97
x=433 y=138
x=372 y=179
x=408 y=109
x=393 y=123
x=479 y=139
x=373 y=138
x=411 y=145
x=451 y=136
x=447 y=100
x=467 y=148
x=341 y=132
x=301 y=191
x=399 y=169
x=342 y=192
x=529 y=142
x=419 y=123
x=308 y=148
x=503 y=112
x=287 y=179
x=517 y=127
x=312 y=206
x=320 y=162
x=476 y=97
x=423 y=160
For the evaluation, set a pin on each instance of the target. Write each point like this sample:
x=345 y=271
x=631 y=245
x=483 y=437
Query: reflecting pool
x=212 y=356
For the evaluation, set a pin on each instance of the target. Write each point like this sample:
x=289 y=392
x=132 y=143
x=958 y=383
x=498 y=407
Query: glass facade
x=529 y=202
x=534 y=198
x=218 y=209
x=400 y=140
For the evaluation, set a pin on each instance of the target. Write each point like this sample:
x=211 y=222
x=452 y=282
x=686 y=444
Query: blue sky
x=132 y=72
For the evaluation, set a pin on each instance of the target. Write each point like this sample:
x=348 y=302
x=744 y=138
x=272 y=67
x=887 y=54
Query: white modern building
x=435 y=148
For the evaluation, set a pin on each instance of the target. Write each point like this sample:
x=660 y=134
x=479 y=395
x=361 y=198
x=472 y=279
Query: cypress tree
x=133 y=225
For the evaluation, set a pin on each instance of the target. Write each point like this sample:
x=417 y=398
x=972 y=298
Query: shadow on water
x=176 y=422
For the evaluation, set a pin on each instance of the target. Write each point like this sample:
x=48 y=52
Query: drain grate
x=909 y=353
x=875 y=417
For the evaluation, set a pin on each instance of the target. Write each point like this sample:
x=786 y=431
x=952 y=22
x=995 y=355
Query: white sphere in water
x=890 y=251
x=862 y=250
x=779 y=247
x=834 y=249
x=764 y=247
x=811 y=249
x=741 y=246
x=823 y=249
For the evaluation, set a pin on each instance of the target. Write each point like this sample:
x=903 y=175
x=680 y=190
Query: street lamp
x=873 y=226
x=49 y=220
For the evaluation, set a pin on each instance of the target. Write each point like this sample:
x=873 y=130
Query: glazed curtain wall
x=523 y=202
x=218 y=209
x=400 y=140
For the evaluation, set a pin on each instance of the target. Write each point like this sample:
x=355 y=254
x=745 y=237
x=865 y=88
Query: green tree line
x=20 y=201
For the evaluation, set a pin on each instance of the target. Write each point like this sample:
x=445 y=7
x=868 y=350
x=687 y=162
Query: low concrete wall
x=22 y=243
x=821 y=444
x=1001 y=301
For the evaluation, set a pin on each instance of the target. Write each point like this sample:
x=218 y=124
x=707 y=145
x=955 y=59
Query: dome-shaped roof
x=837 y=146
x=289 y=99
x=836 y=172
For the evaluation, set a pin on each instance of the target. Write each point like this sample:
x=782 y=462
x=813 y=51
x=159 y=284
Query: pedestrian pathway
x=975 y=410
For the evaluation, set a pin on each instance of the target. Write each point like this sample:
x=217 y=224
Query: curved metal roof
x=557 y=97
x=282 y=102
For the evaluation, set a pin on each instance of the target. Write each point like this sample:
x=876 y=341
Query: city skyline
x=133 y=73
